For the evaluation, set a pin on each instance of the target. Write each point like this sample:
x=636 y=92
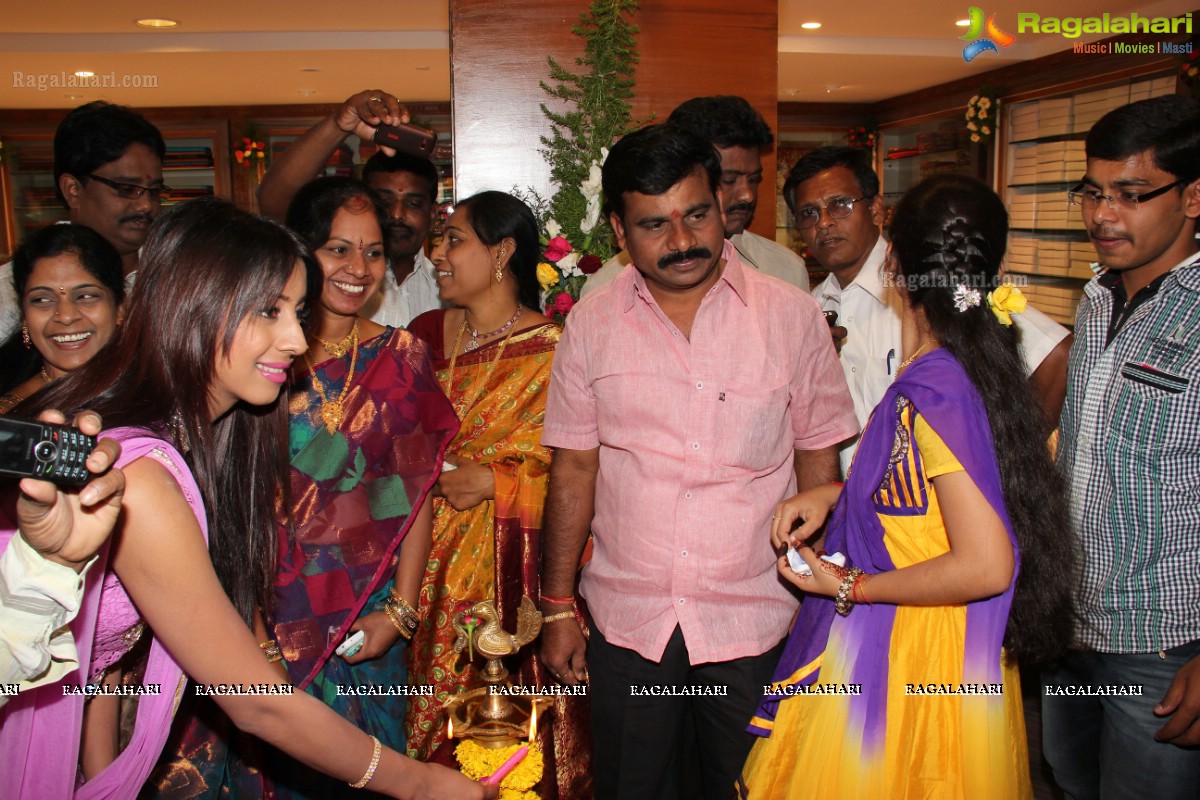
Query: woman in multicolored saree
x=492 y=354
x=899 y=678
x=368 y=428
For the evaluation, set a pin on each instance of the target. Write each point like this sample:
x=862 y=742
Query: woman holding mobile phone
x=196 y=399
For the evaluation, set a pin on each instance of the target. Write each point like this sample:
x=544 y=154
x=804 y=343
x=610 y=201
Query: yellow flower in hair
x=1006 y=300
x=547 y=275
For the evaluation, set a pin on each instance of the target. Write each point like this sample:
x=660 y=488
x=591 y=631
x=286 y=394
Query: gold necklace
x=904 y=364
x=491 y=368
x=339 y=349
x=332 y=411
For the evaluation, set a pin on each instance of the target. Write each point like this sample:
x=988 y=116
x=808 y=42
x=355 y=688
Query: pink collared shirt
x=696 y=446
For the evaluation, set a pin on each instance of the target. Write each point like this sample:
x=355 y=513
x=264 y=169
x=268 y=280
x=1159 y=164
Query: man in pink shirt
x=687 y=398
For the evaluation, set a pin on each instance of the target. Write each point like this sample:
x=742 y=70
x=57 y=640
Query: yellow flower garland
x=477 y=762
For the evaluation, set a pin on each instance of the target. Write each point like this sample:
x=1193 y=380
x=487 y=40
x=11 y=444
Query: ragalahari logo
x=983 y=37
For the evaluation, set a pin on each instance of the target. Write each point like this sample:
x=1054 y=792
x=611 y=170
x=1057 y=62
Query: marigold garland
x=477 y=762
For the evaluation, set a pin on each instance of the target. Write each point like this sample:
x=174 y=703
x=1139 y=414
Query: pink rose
x=556 y=248
x=589 y=264
x=563 y=303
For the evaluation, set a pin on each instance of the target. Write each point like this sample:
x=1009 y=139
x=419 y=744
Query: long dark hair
x=206 y=266
x=496 y=216
x=950 y=230
x=97 y=257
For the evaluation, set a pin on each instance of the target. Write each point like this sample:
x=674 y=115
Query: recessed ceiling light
x=962 y=23
x=310 y=69
x=72 y=96
x=306 y=92
x=83 y=73
x=152 y=22
x=810 y=26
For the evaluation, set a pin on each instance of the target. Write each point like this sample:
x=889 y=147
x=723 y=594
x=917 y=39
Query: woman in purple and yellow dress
x=492 y=353
x=899 y=679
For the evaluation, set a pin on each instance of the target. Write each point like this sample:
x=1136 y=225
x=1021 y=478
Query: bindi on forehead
x=676 y=214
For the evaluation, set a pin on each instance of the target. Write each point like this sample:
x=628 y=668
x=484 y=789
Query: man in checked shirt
x=1130 y=453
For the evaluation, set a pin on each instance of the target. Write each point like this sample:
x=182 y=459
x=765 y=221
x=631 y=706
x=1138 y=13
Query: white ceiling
x=278 y=53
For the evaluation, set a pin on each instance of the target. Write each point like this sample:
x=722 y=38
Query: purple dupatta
x=942 y=393
x=40 y=729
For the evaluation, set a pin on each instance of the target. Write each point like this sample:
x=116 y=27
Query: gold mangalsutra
x=904 y=364
x=492 y=368
x=339 y=349
x=332 y=411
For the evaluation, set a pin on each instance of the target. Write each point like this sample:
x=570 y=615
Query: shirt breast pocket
x=754 y=428
x=1146 y=406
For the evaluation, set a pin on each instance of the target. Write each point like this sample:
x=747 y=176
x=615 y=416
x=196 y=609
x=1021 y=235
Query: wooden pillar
x=688 y=48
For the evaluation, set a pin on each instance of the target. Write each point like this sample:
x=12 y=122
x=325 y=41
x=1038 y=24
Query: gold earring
x=500 y=268
x=25 y=336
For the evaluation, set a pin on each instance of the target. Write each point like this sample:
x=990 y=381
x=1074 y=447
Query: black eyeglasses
x=131 y=191
x=838 y=208
x=1090 y=197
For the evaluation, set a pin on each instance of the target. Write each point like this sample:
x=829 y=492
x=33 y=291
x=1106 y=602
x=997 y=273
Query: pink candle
x=508 y=766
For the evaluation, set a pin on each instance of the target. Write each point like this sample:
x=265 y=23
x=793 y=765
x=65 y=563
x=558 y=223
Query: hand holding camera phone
x=64 y=527
x=44 y=451
x=406 y=138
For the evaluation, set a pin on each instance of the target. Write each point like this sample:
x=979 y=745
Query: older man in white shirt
x=833 y=194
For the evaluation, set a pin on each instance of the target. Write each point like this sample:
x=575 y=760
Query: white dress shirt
x=397 y=304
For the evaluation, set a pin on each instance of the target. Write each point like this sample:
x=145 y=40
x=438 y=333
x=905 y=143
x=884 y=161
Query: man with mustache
x=407 y=184
x=833 y=194
x=688 y=397
x=108 y=173
x=1129 y=450
x=739 y=133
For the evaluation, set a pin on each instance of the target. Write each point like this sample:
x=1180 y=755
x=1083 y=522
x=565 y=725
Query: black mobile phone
x=407 y=139
x=44 y=451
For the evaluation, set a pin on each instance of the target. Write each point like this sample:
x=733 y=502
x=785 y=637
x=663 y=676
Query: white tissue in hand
x=800 y=568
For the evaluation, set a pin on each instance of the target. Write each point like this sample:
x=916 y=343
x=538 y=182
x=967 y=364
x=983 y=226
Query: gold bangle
x=271 y=650
x=405 y=623
x=370 y=773
x=402 y=605
x=558 y=616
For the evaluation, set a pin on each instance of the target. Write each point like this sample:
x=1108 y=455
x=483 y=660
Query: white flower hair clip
x=966 y=297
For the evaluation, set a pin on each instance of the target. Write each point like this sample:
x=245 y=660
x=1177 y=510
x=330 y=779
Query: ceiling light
x=306 y=92
x=83 y=73
x=962 y=23
x=810 y=26
x=157 y=23
x=72 y=96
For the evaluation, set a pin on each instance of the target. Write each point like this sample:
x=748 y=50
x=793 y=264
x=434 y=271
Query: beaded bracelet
x=842 y=603
x=558 y=616
x=370 y=773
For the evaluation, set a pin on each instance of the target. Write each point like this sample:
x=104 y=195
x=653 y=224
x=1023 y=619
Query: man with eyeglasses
x=1129 y=451
x=108 y=173
x=833 y=194
x=739 y=134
